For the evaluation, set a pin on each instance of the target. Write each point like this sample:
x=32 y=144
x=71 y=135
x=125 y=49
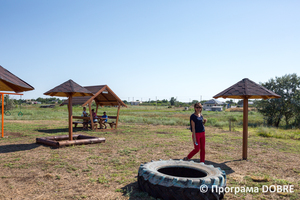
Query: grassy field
x=109 y=170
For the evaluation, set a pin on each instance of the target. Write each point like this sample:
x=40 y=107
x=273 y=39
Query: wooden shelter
x=246 y=89
x=10 y=82
x=103 y=96
x=69 y=89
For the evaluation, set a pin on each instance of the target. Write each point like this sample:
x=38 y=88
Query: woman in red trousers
x=198 y=133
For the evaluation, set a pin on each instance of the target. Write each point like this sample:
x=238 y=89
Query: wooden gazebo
x=246 y=89
x=10 y=82
x=103 y=96
x=71 y=90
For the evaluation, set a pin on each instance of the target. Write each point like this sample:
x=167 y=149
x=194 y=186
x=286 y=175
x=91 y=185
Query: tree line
x=12 y=103
x=285 y=109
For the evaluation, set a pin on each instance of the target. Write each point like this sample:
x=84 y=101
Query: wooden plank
x=47 y=142
x=58 y=138
x=116 y=97
x=60 y=141
x=80 y=117
x=82 y=141
x=93 y=97
x=112 y=117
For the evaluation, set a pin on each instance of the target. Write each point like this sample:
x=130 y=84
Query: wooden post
x=245 y=128
x=70 y=118
x=2 y=115
x=118 y=116
x=97 y=107
x=2 y=96
x=91 y=116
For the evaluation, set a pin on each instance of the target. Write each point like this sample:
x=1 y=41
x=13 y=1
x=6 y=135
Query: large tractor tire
x=182 y=180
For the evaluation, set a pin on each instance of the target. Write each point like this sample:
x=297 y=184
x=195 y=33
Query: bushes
x=278 y=133
x=266 y=132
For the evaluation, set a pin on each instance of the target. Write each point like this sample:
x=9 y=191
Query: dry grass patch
x=108 y=170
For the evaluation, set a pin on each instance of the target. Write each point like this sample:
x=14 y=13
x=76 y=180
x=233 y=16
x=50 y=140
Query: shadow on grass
x=59 y=130
x=134 y=193
x=17 y=147
x=223 y=165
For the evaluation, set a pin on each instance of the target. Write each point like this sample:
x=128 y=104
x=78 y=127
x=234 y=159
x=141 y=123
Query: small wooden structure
x=69 y=89
x=10 y=82
x=103 y=96
x=60 y=141
x=246 y=89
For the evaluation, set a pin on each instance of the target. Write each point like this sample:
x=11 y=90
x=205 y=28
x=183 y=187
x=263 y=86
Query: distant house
x=216 y=108
x=135 y=103
x=29 y=101
x=213 y=105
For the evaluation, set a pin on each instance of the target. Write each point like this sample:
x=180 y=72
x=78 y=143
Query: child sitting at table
x=104 y=116
x=94 y=115
x=84 y=113
x=85 y=122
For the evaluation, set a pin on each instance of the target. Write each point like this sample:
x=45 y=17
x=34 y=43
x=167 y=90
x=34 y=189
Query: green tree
x=8 y=103
x=287 y=107
x=194 y=102
x=165 y=101
x=172 y=101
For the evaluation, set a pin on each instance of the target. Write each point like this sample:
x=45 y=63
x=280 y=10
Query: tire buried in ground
x=182 y=180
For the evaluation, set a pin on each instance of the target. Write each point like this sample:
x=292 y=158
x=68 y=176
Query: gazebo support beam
x=118 y=115
x=2 y=97
x=70 y=118
x=245 y=128
x=97 y=107
x=91 y=116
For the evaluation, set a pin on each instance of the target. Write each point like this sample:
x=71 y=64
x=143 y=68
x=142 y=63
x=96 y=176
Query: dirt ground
x=109 y=170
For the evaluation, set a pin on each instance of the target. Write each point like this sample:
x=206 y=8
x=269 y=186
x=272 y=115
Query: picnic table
x=102 y=122
x=100 y=119
x=85 y=120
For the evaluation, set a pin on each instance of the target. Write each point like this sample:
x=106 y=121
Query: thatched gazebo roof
x=10 y=82
x=102 y=95
x=247 y=88
x=69 y=88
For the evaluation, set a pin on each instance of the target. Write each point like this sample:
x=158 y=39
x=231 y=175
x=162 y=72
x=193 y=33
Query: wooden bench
x=89 y=123
x=82 y=122
x=77 y=122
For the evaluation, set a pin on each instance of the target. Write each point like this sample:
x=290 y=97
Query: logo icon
x=203 y=188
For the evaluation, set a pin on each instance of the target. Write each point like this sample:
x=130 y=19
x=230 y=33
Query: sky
x=142 y=50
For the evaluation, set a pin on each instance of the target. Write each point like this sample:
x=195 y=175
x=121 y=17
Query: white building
x=213 y=105
x=135 y=103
